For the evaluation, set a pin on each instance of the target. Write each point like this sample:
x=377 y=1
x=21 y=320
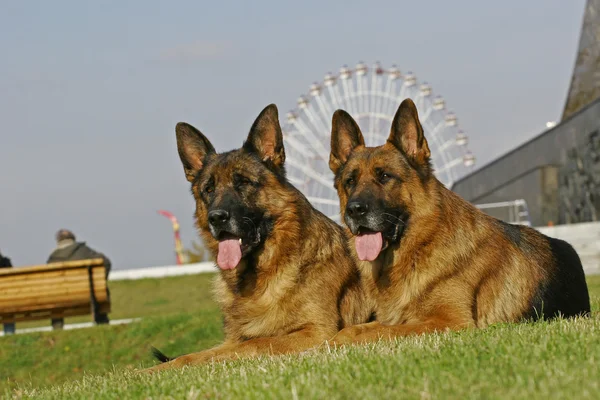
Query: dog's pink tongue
x=230 y=253
x=368 y=246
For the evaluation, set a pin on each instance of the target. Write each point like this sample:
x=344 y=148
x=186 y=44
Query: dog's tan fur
x=453 y=267
x=300 y=285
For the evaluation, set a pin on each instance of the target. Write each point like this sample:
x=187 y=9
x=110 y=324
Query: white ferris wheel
x=371 y=96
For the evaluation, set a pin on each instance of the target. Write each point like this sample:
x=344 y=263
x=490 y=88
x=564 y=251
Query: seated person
x=68 y=249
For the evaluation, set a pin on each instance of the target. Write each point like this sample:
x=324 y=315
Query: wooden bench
x=53 y=291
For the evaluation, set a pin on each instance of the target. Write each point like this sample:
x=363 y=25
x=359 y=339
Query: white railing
x=513 y=212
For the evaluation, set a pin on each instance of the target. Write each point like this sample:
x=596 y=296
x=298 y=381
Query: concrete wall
x=161 y=272
x=539 y=188
x=530 y=171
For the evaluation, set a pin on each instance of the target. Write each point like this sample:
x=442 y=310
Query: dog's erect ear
x=345 y=137
x=265 y=138
x=407 y=134
x=193 y=147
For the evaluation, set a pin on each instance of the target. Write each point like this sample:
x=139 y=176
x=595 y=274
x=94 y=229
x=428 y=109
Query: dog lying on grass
x=431 y=260
x=287 y=281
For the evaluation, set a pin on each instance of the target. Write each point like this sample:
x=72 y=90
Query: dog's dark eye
x=350 y=181
x=384 y=177
x=242 y=181
x=209 y=186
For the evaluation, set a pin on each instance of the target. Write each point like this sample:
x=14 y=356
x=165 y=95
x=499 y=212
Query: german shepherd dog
x=431 y=260
x=287 y=279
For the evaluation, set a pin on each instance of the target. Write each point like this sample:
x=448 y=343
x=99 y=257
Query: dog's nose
x=218 y=217
x=356 y=209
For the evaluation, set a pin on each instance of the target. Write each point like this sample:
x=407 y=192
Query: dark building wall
x=539 y=188
x=530 y=171
x=579 y=183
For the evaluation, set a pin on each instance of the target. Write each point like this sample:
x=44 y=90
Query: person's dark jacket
x=5 y=262
x=78 y=251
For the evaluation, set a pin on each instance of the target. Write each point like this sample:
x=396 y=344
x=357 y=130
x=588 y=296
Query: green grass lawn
x=540 y=360
x=178 y=314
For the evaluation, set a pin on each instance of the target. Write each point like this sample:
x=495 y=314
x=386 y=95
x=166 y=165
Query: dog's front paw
x=351 y=334
x=343 y=337
x=176 y=363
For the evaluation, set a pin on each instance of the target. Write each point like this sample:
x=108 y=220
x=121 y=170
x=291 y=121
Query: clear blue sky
x=90 y=93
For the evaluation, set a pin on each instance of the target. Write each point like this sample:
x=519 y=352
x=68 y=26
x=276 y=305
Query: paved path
x=161 y=272
x=72 y=326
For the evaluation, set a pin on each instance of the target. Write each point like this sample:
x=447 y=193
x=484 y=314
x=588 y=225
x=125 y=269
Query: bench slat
x=19 y=279
x=39 y=294
x=76 y=293
x=53 y=313
x=81 y=299
x=43 y=286
x=52 y=266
